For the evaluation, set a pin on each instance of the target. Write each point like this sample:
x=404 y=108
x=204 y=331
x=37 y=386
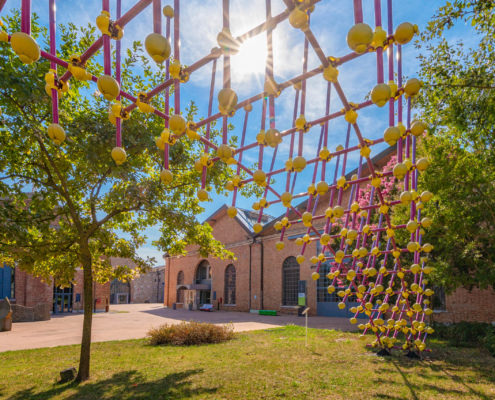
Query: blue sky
x=201 y=20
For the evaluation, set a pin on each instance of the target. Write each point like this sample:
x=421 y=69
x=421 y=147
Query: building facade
x=145 y=288
x=26 y=290
x=262 y=277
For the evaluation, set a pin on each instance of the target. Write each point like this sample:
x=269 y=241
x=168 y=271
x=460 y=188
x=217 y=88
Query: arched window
x=203 y=273
x=229 y=292
x=180 y=278
x=290 y=281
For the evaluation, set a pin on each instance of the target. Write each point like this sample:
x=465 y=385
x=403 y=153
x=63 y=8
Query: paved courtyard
x=132 y=321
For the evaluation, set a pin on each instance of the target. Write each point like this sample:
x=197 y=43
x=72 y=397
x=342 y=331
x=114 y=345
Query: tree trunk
x=84 y=360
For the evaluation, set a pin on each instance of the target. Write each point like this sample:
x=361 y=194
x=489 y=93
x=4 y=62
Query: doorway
x=62 y=299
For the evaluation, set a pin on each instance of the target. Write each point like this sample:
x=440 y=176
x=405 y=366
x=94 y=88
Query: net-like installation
x=384 y=281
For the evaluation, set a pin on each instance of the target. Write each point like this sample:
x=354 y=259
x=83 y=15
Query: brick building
x=146 y=288
x=263 y=278
x=27 y=290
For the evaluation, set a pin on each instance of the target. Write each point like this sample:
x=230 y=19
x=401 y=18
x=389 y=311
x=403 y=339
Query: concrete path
x=132 y=321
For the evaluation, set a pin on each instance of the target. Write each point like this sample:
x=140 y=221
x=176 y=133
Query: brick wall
x=101 y=292
x=464 y=305
x=30 y=291
x=148 y=288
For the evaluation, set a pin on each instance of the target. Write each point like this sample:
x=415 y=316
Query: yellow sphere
x=108 y=87
x=177 y=124
x=25 y=47
x=322 y=188
x=351 y=117
x=202 y=195
x=301 y=122
x=422 y=164
x=299 y=163
x=307 y=217
x=56 y=133
x=271 y=87
x=338 y=211
x=412 y=226
x=405 y=197
x=279 y=245
x=379 y=37
x=412 y=87
x=341 y=305
x=225 y=152
x=400 y=170
x=227 y=43
x=381 y=94
x=426 y=196
x=168 y=12
x=315 y=276
x=412 y=247
x=330 y=73
x=286 y=198
x=259 y=177
x=360 y=37
x=325 y=239
x=417 y=128
x=232 y=212
x=158 y=47
x=300 y=258
x=119 y=155
x=324 y=154
x=227 y=100
x=391 y=135
x=405 y=32
x=166 y=176
x=175 y=69
x=298 y=18
x=273 y=137
x=426 y=222
x=339 y=256
x=103 y=22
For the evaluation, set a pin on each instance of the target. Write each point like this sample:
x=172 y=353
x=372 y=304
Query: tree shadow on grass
x=444 y=371
x=124 y=385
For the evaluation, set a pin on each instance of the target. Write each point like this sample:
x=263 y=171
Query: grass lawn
x=266 y=364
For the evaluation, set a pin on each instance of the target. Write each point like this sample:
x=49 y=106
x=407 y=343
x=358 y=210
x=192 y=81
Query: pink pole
x=128 y=16
x=379 y=51
x=167 y=96
x=303 y=95
x=53 y=51
x=2 y=4
x=210 y=106
x=226 y=65
x=26 y=16
x=157 y=16
x=358 y=11
x=107 y=62
x=118 y=121
x=176 y=54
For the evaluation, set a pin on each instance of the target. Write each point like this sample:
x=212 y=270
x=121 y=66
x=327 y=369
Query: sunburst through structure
x=359 y=256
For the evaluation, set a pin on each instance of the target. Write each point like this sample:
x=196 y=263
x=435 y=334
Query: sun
x=251 y=58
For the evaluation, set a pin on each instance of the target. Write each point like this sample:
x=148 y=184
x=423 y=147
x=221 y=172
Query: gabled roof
x=245 y=218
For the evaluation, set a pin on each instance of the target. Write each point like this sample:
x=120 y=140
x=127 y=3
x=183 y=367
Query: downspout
x=250 y=260
x=168 y=265
x=261 y=267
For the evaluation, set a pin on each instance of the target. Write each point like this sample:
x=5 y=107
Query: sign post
x=305 y=313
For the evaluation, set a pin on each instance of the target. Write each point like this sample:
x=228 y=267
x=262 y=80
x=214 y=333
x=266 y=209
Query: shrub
x=489 y=342
x=190 y=333
x=467 y=334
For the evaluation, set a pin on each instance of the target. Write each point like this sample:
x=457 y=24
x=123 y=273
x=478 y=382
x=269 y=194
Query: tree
x=83 y=209
x=458 y=103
